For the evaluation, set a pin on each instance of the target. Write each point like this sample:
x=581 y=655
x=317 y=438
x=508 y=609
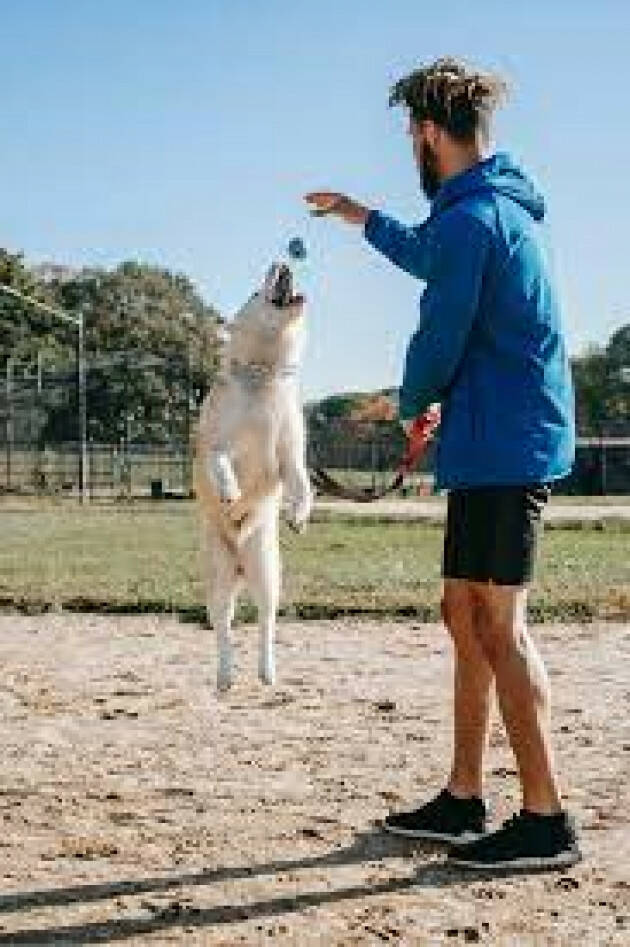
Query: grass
x=144 y=558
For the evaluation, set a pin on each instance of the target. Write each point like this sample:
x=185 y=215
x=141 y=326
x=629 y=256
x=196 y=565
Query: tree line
x=152 y=346
x=601 y=377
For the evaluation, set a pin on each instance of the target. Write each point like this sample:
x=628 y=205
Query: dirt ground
x=138 y=807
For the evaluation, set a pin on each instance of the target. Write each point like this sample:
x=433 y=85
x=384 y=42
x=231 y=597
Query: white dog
x=251 y=452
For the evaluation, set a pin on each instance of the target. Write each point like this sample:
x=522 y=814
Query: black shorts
x=491 y=533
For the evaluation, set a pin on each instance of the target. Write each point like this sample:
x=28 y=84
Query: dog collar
x=256 y=374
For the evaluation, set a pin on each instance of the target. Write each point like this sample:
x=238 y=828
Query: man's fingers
x=323 y=197
x=324 y=201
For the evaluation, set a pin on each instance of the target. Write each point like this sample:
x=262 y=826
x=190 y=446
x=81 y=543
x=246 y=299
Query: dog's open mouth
x=282 y=288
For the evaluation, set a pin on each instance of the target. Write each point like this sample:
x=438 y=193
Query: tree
x=590 y=372
x=601 y=385
x=151 y=348
x=23 y=330
x=150 y=344
x=618 y=358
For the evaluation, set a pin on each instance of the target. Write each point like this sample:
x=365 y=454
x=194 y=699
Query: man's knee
x=458 y=608
x=500 y=629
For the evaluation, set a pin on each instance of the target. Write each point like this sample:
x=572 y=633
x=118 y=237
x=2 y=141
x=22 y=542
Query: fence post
x=373 y=460
x=82 y=410
x=9 y=417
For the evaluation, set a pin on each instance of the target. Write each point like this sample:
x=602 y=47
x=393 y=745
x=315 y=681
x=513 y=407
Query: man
x=490 y=348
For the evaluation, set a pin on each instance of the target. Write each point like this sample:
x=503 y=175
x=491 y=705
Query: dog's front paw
x=222 y=474
x=298 y=512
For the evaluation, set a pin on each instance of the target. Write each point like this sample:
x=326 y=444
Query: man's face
x=424 y=136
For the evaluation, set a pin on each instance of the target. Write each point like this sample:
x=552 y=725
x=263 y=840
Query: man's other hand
x=425 y=424
x=331 y=202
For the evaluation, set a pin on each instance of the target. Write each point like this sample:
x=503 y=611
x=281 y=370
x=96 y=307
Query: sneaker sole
x=461 y=839
x=562 y=860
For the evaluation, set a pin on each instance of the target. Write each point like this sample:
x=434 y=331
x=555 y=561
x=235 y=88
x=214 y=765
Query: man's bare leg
x=522 y=691
x=457 y=814
x=472 y=687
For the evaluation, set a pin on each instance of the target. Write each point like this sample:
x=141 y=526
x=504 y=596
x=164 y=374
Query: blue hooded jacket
x=490 y=344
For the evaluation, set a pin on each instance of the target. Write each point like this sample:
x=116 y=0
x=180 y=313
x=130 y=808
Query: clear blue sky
x=184 y=132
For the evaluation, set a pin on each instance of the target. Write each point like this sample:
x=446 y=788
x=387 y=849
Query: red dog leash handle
x=418 y=436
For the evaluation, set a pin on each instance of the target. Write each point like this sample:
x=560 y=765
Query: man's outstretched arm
x=406 y=247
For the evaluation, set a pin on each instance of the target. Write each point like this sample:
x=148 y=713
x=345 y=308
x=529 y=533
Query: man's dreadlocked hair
x=457 y=98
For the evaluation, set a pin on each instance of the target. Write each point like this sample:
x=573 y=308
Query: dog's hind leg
x=221 y=601
x=260 y=556
x=222 y=612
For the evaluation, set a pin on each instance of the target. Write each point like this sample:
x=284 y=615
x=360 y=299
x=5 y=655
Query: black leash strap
x=324 y=483
x=418 y=437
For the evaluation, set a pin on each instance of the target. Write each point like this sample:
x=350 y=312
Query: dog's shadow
x=370 y=846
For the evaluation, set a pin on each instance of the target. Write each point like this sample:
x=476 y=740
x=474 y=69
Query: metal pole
x=82 y=406
x=188 y=467
x=187 y=319
x=9 y=421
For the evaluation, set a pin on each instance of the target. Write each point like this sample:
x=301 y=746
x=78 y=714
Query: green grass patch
x=144 y=558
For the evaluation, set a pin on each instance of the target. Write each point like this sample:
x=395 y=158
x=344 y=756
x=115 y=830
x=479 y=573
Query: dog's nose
x=282 y=290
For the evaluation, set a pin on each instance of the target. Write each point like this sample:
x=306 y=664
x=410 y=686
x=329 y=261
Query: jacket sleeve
x=447 y=312
x=406 y=247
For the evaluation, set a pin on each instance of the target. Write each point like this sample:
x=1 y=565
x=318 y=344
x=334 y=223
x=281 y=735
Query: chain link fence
x=141 y=415
x=141 y=412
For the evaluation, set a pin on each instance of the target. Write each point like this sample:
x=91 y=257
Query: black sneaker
x=525 y=842
x=445 y=819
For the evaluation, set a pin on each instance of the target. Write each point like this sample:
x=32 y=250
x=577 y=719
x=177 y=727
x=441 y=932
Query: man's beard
x=429 y=175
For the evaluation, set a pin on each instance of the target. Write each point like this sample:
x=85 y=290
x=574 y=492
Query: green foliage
x=150 y=344
x=342 y=406
x=601 y=376
x=336 y=406
x=602 y=385
x=23 y=330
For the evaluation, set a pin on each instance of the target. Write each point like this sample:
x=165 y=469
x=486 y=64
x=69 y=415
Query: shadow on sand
x=366 y=847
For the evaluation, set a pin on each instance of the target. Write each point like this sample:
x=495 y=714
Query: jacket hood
x=500 y=174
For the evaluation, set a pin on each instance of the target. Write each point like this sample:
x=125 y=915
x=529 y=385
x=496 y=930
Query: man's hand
x=419 y=432
x=330 y=202
x=425 y=424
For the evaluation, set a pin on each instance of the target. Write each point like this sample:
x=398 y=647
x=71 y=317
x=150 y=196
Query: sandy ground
x=138 y=807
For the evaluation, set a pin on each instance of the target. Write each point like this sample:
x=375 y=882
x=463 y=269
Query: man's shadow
x=369 y=846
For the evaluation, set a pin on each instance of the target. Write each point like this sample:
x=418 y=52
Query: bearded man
x=490 y=347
